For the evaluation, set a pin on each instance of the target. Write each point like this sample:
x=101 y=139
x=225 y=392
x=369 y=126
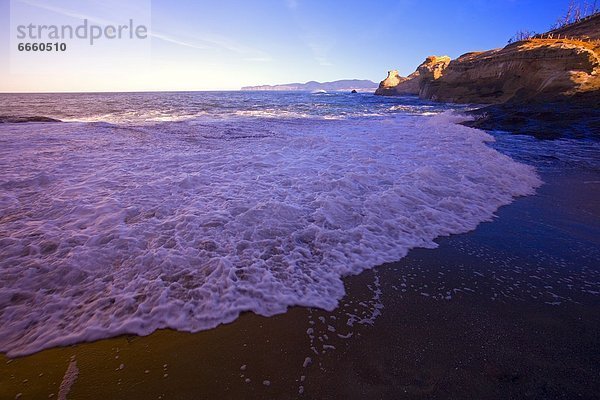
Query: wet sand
x=510 y=310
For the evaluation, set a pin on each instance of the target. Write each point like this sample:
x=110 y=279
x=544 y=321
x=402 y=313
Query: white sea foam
x=272 y=113
x=416 y=109
x=139 y=117
x=105 y=231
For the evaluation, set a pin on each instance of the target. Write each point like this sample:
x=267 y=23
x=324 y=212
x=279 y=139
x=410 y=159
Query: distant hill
x=342 y=85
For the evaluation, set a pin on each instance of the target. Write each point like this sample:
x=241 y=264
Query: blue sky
x=225 y=44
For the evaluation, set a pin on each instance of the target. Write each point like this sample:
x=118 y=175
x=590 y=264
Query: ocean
x=144 y=211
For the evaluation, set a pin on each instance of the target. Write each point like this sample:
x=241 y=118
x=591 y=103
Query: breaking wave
x=110 y=230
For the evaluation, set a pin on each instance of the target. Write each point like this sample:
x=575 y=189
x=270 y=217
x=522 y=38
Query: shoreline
x=518 y=323
x=553 y=120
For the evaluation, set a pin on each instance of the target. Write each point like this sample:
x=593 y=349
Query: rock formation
x=433 y=67
x=15 y=119
x=387 y=87
x=545 y=68
x=430 y=69
x=536 y=69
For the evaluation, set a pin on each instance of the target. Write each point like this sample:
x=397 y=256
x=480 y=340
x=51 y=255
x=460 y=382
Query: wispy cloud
x=205 y=41
x=320 y=47
x=259 y=59
x=218 y=41
x=65 y=12
x=169 y=39
x=319 y=44
x=291 y=4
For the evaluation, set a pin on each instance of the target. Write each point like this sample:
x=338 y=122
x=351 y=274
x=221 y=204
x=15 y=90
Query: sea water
x=144 y=211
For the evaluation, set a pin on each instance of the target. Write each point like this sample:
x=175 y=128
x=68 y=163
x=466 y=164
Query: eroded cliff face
x=539 y=69
x=387 y=87
x=396 y=85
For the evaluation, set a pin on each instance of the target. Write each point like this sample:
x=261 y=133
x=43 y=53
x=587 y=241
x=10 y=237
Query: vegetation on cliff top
x=575 y=13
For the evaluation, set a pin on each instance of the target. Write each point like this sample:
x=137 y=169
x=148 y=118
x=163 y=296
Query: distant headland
x=360 y=85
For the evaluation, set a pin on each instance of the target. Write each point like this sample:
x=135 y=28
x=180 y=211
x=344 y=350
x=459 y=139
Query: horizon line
x=162 y=91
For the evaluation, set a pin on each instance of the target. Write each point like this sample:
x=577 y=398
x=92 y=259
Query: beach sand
x=510 y=310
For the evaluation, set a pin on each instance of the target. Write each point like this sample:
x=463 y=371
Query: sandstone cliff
x=387 y=87
x=538 y=69
x=395 y=84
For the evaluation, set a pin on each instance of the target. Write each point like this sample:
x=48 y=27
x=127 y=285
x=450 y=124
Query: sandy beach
x=509 y=310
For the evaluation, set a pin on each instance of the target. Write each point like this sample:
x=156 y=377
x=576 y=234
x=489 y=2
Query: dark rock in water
x=12 y=119
x=543 y=120
x=353 y=91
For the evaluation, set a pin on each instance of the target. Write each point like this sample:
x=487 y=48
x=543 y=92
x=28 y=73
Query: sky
x=226 y=44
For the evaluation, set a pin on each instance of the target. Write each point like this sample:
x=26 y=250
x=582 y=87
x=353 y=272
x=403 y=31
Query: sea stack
x=387 y=87
x=430 y=69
